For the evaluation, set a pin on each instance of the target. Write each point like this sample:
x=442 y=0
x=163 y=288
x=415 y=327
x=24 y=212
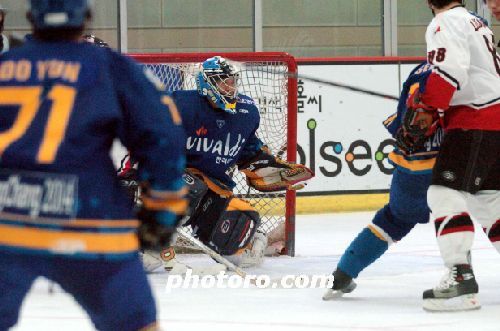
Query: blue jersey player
x=221 y=126
x=407 y=198
x=63 y=213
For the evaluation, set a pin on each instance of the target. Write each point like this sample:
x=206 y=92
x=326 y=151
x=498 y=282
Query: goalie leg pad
x=205 y=217
x=235 y=228
x=197 y=190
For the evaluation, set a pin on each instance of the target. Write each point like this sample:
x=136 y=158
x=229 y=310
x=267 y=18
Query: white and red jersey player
x=465 y=86
x=465 y=78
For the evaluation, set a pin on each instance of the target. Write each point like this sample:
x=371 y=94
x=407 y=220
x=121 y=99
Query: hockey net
x=270 y=79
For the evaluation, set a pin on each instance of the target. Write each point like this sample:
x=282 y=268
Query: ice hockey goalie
x=221 y=126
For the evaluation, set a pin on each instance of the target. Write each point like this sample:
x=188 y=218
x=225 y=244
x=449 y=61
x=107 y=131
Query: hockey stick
x=276 y=283
x=335 y=84
x=343 y=86
x=216 y=256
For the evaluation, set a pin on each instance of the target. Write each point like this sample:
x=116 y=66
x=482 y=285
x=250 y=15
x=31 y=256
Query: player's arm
x=156 y=141
x=448 y=52
x=415 y=120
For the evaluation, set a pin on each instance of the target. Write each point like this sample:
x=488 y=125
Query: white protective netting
x=267 y=83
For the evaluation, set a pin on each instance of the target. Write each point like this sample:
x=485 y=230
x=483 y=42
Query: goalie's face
x=226 y=85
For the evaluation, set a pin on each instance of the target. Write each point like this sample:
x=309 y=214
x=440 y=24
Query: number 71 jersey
x=466 y=70
x=62 y=104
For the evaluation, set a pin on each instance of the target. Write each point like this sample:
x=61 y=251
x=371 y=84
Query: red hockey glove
x=420 y=122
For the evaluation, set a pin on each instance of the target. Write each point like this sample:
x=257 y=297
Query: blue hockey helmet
x=218 y=81
x=49 y=14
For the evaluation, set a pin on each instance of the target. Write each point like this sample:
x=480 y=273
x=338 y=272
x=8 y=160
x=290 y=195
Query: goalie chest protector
x=216 y=140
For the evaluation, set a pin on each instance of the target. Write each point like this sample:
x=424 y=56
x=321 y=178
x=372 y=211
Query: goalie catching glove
x=267 y=173
x=419 y=123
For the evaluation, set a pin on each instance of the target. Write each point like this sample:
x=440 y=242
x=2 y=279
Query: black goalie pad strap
x=197 y=190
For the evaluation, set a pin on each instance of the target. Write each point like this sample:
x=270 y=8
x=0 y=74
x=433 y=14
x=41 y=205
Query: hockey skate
x=456 y=291
x=342 y=283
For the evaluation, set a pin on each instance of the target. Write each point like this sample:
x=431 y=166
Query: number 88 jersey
x=465 y=78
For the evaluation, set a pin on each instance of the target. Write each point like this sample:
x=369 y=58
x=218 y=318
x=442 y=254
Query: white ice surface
x=388 y=296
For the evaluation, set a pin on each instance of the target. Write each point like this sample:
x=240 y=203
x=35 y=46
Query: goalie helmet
x=218 y=81
x=49 y=14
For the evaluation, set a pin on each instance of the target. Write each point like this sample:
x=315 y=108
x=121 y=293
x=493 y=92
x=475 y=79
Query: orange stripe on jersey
x=177 y=206
x=413 y=87
x=390 y=119
x=377 y=233
x=68 y=242
x=415 y=165
x=75 y=222
x=211 y=185
x=168 y=194
x=172 y=107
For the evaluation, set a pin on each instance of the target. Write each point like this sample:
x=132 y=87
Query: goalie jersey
x=422 y=161
x=61 y=106
x=216 y=140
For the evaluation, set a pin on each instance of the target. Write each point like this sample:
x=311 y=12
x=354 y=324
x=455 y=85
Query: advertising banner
x=340 y=132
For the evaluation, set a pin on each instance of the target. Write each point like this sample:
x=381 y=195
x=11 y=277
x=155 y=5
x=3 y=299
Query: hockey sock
x=362 y=252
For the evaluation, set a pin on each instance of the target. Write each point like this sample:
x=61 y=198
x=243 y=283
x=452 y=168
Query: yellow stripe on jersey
x=211 y=184
x=68 y=242
x=95 y=223
x=177 y=206
x=413 y=87
x=390 y=119
x=414 y=165
x=377 y=233
x=168 y=194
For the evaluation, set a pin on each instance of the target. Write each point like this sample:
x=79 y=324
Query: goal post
x=270 y=79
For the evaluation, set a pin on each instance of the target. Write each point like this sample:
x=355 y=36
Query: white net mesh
x=267 y=83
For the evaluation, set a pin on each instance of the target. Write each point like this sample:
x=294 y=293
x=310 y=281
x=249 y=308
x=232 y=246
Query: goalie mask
x=218 y=81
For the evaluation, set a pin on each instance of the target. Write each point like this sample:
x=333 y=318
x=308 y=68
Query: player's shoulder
x=245 y=99
x=83 y=52
x=458 y=20
x=184 y=94
x=188 y=102
x=136 y=74
x=421 y=70
x=246 y=105
x=120 y=61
